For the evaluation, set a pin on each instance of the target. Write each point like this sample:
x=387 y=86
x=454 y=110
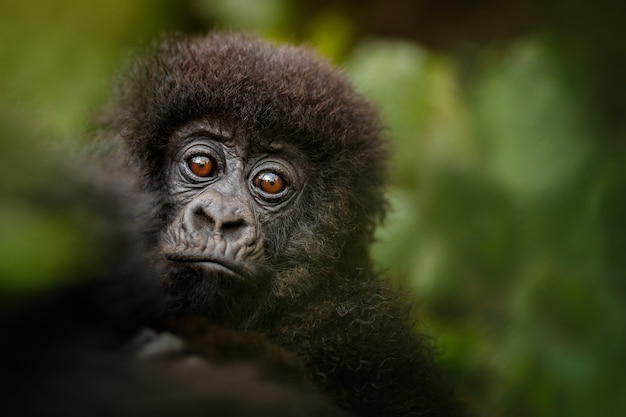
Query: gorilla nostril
x=233 y=229
x=203 y=217
x=233 y=224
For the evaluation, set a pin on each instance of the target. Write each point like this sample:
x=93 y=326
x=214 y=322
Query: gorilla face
x=224 y=195
x=228 y=195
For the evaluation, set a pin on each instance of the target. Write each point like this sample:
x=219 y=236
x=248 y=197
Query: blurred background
x=508 y=173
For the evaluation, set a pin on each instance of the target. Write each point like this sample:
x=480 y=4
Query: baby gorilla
x=270 y=170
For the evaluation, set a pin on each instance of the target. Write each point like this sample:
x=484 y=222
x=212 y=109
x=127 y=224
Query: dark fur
x=323 y=302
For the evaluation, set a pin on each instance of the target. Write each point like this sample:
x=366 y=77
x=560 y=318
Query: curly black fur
x=324 y=302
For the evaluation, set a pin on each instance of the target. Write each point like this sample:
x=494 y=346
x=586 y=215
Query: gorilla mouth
x=209 y=265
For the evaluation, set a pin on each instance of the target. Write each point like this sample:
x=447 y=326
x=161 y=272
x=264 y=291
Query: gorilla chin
x=211 y=289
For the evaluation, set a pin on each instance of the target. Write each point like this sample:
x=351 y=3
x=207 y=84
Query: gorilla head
x=271 y=167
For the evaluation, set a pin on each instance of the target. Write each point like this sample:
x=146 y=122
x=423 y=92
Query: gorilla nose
x=221 y=216
x=218 y=221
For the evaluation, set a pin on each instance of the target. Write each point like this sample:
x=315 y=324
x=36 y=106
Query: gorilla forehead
x=254 y=86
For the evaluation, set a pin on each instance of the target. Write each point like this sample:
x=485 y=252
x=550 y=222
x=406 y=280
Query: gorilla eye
x=201 y=165
x=269 y=182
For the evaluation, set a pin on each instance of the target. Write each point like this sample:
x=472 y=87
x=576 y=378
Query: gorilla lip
x=208 y=264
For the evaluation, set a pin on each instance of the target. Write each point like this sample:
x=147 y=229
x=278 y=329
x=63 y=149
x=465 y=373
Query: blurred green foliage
x=507 y=203
x=49 y=235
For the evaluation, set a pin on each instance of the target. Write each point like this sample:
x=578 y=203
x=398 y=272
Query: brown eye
x=269 y=182
x=201 y=165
